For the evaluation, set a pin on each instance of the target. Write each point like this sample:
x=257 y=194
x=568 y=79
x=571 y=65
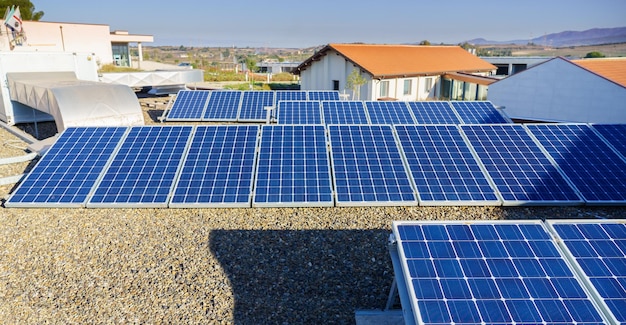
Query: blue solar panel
x=592 y=166
x=521 y=171
x=478 y=112
x=189 y=105
x=488 y=273
x=615 y=134
x=290 y=95
x=299 y=112
x=323 y=95
x=144 y=169
x=293 y=167
x=368 y=167
x=253 y=106
x=219 y=168
x=344 y=112
x=443 y=167
x=434 y=112
x=66 y=173
x=599 y=250
x=381 y=112
x=222 y=106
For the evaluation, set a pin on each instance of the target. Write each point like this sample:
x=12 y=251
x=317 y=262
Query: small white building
x=107 y=47
x=398 y=72
x=560 y=90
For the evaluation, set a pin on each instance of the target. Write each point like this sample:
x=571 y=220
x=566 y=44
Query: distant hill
x=593 y=36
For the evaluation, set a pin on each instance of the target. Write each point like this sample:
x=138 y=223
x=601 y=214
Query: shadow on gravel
x=304 y=277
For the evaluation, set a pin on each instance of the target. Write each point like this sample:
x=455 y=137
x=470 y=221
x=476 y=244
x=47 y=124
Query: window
x=384 y=89
x=408 y=84
x=335 y=84
x=428 y=84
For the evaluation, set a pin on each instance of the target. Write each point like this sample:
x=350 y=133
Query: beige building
x=106 y=46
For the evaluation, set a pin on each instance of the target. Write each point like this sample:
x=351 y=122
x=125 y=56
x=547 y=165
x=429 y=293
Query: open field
x=208 y=266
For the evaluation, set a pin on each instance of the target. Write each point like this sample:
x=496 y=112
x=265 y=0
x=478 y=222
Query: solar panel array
x=253 y=106
x=434 y=112
x=598 y=249
x=383 y=112
x=344 y=112
x=592 y=166
x=614 y=134
x=293 y=167
x=498 y=164
x=222 y=106
x=189 y=105
x=494 y=272
x=478 y=112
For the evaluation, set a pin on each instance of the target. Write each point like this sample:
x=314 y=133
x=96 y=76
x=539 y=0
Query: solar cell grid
x=323 y=95
x=143 y=170
x=67 y=172
x=382 y=112
x=478 y=112
x=433 y=112
x=253 y=106
x=592 y=166
x=615 y=134
x=299 y=112
x=344 y=112
x=189 y=105
x=489 y=273
x=520 y=170
x=222 y=106
x=219 y=167
x=368 y=167
x=443 y=167
x=599 y=249
x=290 y=95
x=293 y=167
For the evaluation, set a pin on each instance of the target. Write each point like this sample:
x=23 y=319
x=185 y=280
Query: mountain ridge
x=593 y=36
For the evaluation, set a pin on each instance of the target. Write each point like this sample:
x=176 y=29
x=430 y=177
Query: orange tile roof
x=407 y=60
x=613 y=69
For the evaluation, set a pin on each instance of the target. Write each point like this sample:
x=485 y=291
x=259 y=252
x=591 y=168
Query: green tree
x=354 y=82
x=594 y=54
x=27 y=9
x=425 y=42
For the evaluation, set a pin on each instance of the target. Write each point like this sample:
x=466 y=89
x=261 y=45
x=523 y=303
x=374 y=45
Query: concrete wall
x=560 y=91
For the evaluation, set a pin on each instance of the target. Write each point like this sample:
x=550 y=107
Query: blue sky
x=297 y=23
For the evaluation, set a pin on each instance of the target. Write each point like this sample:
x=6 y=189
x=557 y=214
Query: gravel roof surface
x=210 y=266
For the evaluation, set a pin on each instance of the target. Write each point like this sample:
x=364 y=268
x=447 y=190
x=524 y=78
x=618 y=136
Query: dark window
x=335 y=84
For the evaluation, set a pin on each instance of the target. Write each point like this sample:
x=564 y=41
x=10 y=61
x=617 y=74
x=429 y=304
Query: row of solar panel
x=250 y=106
x=242 y=106
x=342 y=165
x=511 y=272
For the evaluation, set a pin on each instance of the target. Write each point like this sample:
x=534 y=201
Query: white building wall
x=560 y=91
x=64 y=37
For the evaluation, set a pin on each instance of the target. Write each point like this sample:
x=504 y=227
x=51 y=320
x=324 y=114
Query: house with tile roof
x=399 y=72
x=562 y=90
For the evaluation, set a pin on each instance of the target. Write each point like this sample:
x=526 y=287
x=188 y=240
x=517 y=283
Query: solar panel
x=299 y=112
x=219 y=168
x=368 y=167
x=290 y=95
x=223 y=106
x=323 y=95
x=592 y=166
x=434 y=112
x=521 y=171
x=487 y=273
x=598 y=248
x=383 y=112
x=143 y=171
x=66 y=173
x=253 y=106
x=293 y=167
x=444 y=170
x=478 y=112
x=344 y=112
x=189 y=105
x=615 y=134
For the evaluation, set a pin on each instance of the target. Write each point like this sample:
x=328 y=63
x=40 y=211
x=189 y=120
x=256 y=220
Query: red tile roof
x=613 y=69
x=387 y=61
